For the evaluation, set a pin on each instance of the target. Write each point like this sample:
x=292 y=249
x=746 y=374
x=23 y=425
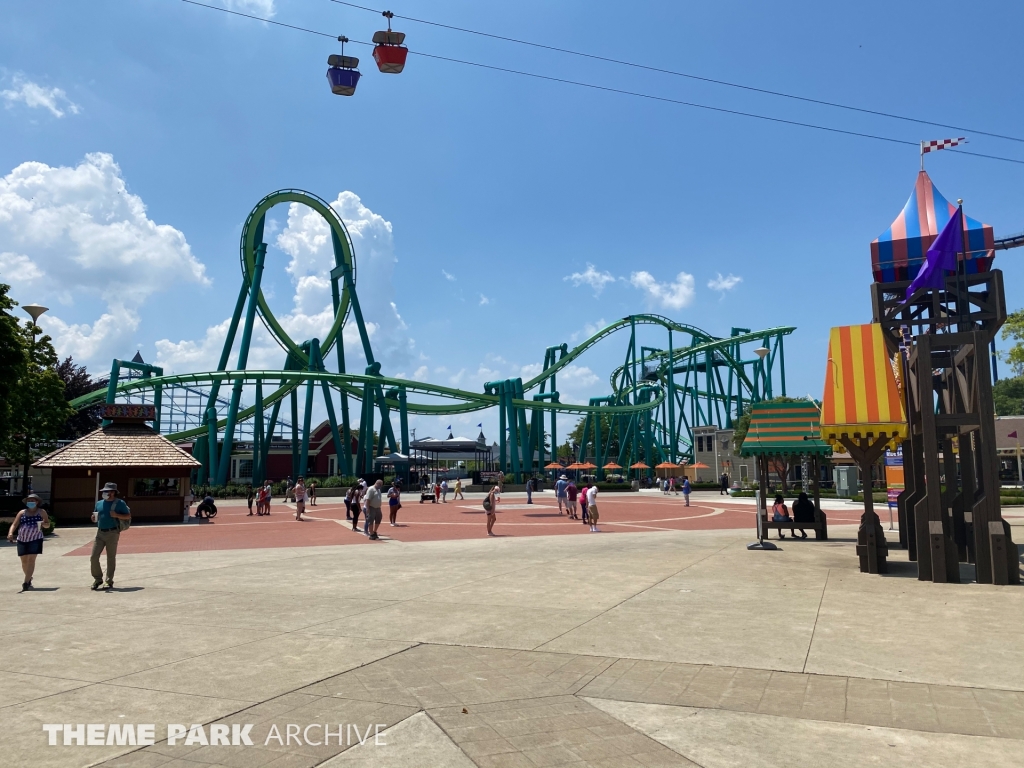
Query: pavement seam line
x=814 y=627
x=631 y=597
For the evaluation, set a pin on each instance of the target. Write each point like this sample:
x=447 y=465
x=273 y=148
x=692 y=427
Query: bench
x=819 y=526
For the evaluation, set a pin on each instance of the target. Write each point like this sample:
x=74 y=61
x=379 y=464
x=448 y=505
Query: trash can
x=846 y=482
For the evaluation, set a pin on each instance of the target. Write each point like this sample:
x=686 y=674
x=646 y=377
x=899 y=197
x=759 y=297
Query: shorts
x=594 y=515
x=572 y=505
x=300 y=507
x=30 y=547
x=372 y=515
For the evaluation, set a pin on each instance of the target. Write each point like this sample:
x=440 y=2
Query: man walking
x=106 y=514
x=686 y=491
x=560 y=493
x=529 y=491
x=373 y=513
x=592 y=507
x=724 y=480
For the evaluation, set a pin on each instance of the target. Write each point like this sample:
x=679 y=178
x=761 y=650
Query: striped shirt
x=29 y=529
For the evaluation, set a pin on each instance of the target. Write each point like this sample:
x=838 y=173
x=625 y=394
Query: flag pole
x=922 y=155
x=962 y=298
x=1020 y=470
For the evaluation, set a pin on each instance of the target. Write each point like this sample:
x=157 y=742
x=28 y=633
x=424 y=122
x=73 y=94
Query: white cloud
x=592 y=277
x=589 y=329
x=448 y=275
x=36 y=96
x=306 y=239
x=18 y=268
x=264 y=8
x=675 y=295
x=93 y=240
x=484 y=300
x=726 y=283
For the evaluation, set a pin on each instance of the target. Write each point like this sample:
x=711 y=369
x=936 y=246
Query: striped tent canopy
x=784 y=429
x=899 y=252
x=861 y=398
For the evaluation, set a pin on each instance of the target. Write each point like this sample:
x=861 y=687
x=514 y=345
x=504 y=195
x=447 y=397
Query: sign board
x=491 y=477
x=129 y=411
x=894 y=478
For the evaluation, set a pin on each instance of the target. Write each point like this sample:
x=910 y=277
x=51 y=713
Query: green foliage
x=1013 y=328
x=78 y=382
x=1008 y=396
x=13 y=361
x=38 y=408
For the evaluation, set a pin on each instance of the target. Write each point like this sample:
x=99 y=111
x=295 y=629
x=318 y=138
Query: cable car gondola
x=343 y=75
x=389 y=53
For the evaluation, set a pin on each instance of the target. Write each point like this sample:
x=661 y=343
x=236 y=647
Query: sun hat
x=563 y=477
x=32 y=496
x=109 y=487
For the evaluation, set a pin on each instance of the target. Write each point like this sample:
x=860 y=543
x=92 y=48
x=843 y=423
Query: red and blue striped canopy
x=899 y=252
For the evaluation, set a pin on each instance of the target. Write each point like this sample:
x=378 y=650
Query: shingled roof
x=119 y=445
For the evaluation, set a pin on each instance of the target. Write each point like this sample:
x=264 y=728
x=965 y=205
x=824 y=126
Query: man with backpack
x=111 y=516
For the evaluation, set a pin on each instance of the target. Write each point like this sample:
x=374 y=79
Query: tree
x=1008 y=396
x=38 y=407
x=1013 y=328
x=13 y=361
x=78 y=382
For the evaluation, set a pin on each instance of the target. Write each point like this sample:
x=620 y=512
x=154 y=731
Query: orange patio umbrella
x=553 y=465
x=701 y=465
x=612 y=465
x=588 y=465
x=639 y=465
x=574 y=465
x=667 y=465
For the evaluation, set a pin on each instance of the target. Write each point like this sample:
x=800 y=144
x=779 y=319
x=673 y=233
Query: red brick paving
x=233 y=529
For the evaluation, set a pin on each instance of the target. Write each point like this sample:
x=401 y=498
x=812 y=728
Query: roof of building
x=898 y=253
x=783 y=429
x=861 y=398
x=119 y=445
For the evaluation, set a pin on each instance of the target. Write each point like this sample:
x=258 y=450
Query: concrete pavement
x=660 y=648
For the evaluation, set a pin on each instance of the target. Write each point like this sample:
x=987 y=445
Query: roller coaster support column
x=257 y=437
x=211 y=435
x=243 y=358
x=294 y=398
x=345 y=446
x=332 y=419
x=312 y=348
x=498 y=388
x=672 y=441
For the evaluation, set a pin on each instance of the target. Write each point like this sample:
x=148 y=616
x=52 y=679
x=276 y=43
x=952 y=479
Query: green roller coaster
x=656 y=396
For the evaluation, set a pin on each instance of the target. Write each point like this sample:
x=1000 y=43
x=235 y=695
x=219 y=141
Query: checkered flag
x=936 y=144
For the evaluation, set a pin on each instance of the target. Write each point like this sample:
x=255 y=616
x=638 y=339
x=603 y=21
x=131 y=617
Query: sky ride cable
x=676 y=73
x=623 y=91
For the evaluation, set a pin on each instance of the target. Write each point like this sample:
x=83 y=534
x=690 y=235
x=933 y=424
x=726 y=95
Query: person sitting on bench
x=803 y=512
x=780 y=514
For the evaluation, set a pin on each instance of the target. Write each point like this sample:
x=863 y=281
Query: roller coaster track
x=634 y=400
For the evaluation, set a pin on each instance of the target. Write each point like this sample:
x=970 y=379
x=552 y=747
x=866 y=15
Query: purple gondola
x=343 y=75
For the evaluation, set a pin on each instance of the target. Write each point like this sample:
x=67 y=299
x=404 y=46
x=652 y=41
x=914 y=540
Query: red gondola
x=389 y=53
x=343 y=75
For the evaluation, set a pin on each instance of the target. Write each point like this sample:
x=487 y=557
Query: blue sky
x=141 y=134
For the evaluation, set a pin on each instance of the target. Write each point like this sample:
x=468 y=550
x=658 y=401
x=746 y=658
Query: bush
x=49 y=529
x=614 y=487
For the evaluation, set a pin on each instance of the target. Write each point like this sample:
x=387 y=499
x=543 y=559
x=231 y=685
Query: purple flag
x=941 y=256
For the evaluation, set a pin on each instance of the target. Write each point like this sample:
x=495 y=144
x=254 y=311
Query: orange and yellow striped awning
x=861 y=398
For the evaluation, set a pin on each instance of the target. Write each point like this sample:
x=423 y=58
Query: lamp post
x=762 y=353
x=34 y=311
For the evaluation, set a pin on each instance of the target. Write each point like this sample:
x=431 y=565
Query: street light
x=34 y=311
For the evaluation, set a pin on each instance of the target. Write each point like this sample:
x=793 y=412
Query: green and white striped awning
x=784 y=429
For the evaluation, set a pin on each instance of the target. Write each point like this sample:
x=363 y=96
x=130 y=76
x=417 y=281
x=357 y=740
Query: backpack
x=124 y=525
x=487 y=503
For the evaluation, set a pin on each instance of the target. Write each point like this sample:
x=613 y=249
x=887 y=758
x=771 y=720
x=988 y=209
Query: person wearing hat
x=106 y=514
x=560 y=493
x=27 y=530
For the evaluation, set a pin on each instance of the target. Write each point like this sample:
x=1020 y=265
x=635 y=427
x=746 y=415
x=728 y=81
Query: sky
x=492 y=214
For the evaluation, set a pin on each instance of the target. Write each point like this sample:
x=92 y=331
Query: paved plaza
x=661 y=641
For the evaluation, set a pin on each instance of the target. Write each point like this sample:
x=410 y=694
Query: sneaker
x=374 y=537
x=25 y=585
x=110 y=585
x=97 y=584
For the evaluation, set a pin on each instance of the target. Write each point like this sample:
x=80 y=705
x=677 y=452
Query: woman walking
x=312 y=493
x=583 y=503
x=458 y=490
x=354 y=505
x=491 y=508
x=394 y=503
x=27 y=529
x=299 y=494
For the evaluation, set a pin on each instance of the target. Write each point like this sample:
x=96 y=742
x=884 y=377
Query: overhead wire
x=687 y=75
x=609 y=89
